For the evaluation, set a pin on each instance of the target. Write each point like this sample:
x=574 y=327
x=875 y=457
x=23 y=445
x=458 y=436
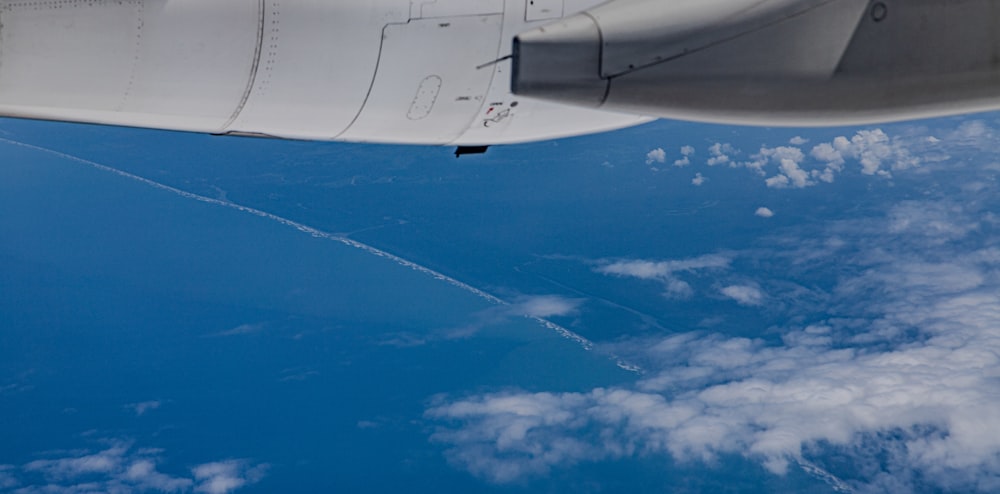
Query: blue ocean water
x=532 y=218
x=255 y=340
x=159 y=315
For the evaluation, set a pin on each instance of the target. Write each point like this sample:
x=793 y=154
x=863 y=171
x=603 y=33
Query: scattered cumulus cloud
x=297 y=374
x=140 y=409
x=975 y=134
x=102 y=462
x=788 y=161
x=226 y=476
x=544 y=306
x=657 y=155
x=666 y=272
x=744 y=294
x=403 y=340
x=142 y=473
x=938 y=222
x=899 y=389
x=662 y=269
x=7 y=479
x=686 y=153
x=874 y=149
x=698 y=180
x=120 y=467
x=243 y=329
x=538 y=307
x=720 y=154
x=17 y=384
x=764 y=212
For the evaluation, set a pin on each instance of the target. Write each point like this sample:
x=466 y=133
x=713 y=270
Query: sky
x=676 y=306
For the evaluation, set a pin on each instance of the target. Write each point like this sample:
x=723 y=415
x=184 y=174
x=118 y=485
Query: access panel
x=429 y=84
x=541 y=10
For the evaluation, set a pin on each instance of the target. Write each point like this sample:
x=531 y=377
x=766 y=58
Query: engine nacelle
x=769 y=62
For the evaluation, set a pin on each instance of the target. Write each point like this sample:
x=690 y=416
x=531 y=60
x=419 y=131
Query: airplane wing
x=769 y=62
x=423 y=71
x=401 y=71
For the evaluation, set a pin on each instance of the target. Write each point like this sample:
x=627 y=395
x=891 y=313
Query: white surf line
x=273 y=217
x=565 y=333
x=830 y=479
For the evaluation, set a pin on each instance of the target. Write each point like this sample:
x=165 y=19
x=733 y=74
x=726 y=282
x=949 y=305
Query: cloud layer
x=119 y=467
x=872 y=152
x=667 y=272
x=889 y=386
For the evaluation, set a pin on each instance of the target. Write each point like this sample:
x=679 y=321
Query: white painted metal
x=433 y=71
x=46 y=64
x=317 y=63
x=541 y=10
x=426 y=9
x=427 y=88
x=362 y=70
x=182 y=64
x=185 y=65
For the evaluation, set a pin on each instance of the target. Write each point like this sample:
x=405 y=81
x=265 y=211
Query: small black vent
x=464 y=150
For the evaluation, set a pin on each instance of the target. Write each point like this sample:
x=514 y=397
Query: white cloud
x=940 y=221
x=539 y=307
x=895 y=377
x=744 y=294
x=657 y=155
x=790 y=172
x=403 y=340
x=827 y=153
x=140 y=409
x=662 y=269
x=972 y=133
x=872 y=148
x=102 y=462
x=679 y=289
x=637 y=269
x=764 y=212
x=242 y=329
x=686 y=153
x=7 y=479
x=791 y=176
x=226 y=476
x=143 y=474
x=666 y=272
x=760 y=161
x=720 y=154
x=877 y=153
x=778 y=182
x=698 y=180
x=299 y=374
x=120 y=468
x=17 y=384
x=544 y=306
